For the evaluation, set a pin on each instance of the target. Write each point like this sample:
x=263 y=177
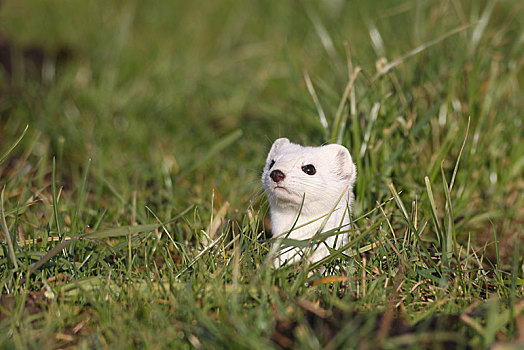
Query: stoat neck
x=282 y=221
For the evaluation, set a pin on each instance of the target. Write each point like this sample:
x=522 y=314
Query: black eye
x=271 y=164
x=309 y=169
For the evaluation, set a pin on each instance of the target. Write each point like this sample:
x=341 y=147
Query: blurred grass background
x=176 y=104
x=145 y=90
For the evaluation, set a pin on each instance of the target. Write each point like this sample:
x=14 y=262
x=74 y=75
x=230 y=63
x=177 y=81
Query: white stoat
x=306 y=182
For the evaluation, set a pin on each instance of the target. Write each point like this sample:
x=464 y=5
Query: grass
x=132 y=137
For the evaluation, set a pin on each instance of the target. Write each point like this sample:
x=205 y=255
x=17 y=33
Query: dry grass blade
x=39 y=240
x=417 y=50
x=214 y=225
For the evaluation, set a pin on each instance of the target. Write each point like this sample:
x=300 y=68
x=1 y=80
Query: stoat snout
x=277 y=175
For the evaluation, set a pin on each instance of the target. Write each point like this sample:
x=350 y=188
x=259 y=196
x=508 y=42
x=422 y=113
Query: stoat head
x=319 y=175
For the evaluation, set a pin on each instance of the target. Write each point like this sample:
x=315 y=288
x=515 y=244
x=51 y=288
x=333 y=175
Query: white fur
x=334 y=177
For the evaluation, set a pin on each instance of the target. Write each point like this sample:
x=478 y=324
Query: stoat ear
x=276 y=145
x=345 y=168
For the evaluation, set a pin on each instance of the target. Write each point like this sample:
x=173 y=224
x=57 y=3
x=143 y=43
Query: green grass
x=133 y=201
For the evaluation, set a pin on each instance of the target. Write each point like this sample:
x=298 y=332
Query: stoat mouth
x=281 y=188
x=283 y=194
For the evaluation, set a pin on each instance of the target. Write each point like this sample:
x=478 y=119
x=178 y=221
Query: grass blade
x=199 y=255
x=4 y=156
x=340 y=110
x=320 y=110
x=219 y=146
x=121 y=231
x=80 y=198
x=498 y=266
x=434 y=215
x=451 y=236
x=55 y=199
x=10 y=246
x=459 y=156
x=481 y=24
x=399 y=204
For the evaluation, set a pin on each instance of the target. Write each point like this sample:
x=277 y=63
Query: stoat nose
x=277 y=175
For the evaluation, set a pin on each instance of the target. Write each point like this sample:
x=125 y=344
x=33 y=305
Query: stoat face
x=311 y=177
